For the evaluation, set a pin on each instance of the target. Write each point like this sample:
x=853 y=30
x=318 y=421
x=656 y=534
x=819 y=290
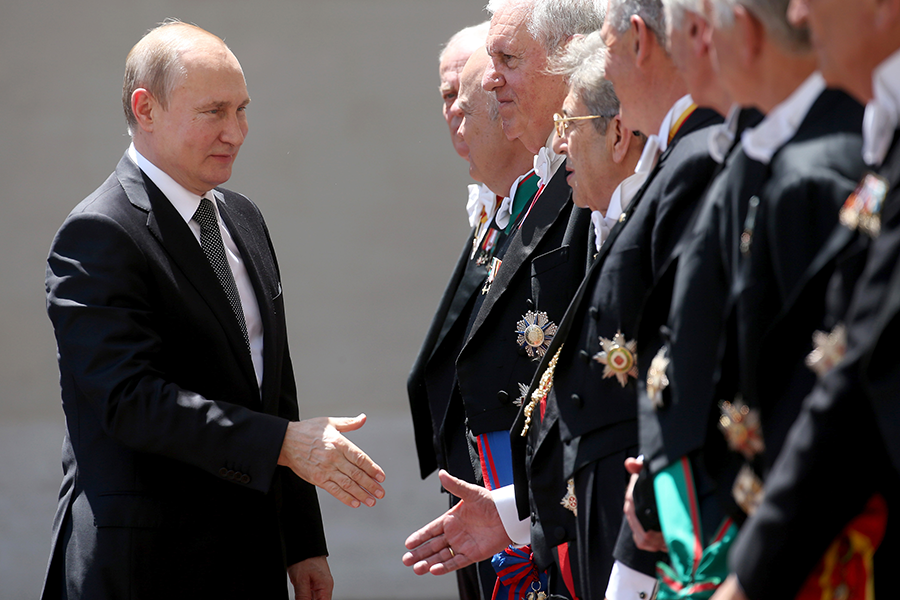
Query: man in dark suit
x=503 y=166
x=746 y=261
x=846 y=435
x=187 y=473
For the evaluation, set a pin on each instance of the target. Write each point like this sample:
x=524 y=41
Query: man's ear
x=144 y=107
x=751 y=34
x=619 y=138
x=699 y=35
x=641 y=40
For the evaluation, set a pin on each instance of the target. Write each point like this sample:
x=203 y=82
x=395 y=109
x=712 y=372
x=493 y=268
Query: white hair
x=472 y=37
x=773 y=16
x=553 y=22
x=650 y=11
x=584 y=64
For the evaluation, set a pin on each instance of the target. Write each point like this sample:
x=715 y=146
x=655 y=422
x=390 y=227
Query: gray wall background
x=350 y=161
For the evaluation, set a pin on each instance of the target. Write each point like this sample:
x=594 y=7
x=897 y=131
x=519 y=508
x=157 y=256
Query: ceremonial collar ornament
x=657 y=380
x=742 y=428
x=569 y=501
x=862 y=210
x=828 y=350
x=619 y=357
x=535 y=333
x=540 y=393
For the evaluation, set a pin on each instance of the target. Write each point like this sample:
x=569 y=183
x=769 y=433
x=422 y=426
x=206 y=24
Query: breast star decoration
x=523 y=393
x=535 y=333
x=657 y=380
x=569 y=501
x=742 y=428
x=828 y=350
x=619 y=357
x=748 y=490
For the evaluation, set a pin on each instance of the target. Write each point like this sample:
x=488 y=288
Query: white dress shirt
x=186 y=203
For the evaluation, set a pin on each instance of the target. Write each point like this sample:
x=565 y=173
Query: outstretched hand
x=316 y=451
x=469 y=532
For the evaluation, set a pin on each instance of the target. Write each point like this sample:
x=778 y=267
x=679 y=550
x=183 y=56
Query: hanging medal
x=492 y=272
x=862 y=210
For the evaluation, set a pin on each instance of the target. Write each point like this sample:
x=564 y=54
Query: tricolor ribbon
x=516 y=574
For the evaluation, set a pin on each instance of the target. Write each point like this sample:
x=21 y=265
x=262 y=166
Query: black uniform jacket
x=543 y=264
x=598 y=416
x=170 y=485
x=845 y=443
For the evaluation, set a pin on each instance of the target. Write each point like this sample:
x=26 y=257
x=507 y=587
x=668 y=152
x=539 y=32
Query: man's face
x=483 y=136
x=527 y=95
x=844 y=56
x=588 y=158
x=622 y=73
x=451 y=66
x=196 y=140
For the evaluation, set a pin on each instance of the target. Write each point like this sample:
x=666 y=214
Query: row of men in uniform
x=677 y=296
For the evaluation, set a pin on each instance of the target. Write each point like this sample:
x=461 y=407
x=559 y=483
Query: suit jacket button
x=503 y=397
x=585 y=356
x=576 y=399
x=223 y=472
x=229 y=474
x=595 y=314
x=245 y=479
x=560 y=532
x=533 y=518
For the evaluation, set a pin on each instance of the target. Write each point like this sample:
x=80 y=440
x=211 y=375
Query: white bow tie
x=878 y=129
x=545 y=163
x=481 y=202
x=504 y=213
x=649 y=156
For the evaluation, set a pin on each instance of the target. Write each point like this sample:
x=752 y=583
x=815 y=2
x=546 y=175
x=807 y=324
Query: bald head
x=494 y=160
x=157 y=62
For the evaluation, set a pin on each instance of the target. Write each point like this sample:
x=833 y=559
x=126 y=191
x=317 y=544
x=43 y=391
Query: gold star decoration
x=619 y=357
x=535 y=333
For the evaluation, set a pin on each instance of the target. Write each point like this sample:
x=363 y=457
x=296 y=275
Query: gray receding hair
x=584 y=64
x=155 y=63
x=773 y=16
x=650 y=11
x=473 y=36
x=675 y=10
x=553 y=22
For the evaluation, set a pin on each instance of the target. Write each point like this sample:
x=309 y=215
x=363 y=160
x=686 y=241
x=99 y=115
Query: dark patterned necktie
x=211 y=242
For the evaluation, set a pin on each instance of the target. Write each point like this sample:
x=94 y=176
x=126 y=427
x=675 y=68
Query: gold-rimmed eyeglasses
x=562 y=123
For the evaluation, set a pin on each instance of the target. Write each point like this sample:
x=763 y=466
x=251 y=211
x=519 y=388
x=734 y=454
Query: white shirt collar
x=482 y=202
x=883 y=111
x=546 y=162
x=721 y=137
x=672 y=117
x=621 y=198
x=781 y=123
x=184 y=201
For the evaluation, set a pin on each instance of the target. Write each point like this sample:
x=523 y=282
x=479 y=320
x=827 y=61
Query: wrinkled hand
x=317 y=452
x=311 y=579
x=730 y=590
x=472 y=528
x=651 y=541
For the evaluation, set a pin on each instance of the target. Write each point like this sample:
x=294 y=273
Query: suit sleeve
x=111 y=358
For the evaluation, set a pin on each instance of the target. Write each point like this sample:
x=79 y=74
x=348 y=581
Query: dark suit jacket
x=433 y=377
x=845 y=444
x=170 y=484
x=543 y=264
x=597 y=416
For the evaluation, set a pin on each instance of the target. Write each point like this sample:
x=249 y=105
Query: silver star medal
x=569 y=501
x=535 y=333
x=828 y=350
x=862 y=210
x=619 y=357
x=657 y=380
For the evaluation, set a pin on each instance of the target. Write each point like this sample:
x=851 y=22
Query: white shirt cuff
x=627 y=584
x=505 y=501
